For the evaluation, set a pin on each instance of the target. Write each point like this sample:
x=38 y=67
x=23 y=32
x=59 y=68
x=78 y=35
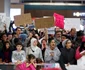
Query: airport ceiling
x=54 y=1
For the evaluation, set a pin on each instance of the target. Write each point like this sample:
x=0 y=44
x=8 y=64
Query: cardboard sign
x=44 y=22
x=23 y=19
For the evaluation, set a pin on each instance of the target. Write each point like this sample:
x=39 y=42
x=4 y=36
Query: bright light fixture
x=69 y=4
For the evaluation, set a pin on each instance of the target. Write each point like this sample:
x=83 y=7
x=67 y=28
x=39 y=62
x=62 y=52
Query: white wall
x=15 y=1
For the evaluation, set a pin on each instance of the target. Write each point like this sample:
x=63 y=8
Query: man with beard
x=58 y=35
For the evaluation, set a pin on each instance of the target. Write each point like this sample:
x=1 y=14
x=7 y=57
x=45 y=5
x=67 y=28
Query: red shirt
x=23 y=67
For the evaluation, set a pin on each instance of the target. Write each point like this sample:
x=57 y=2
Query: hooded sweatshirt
x=49 y=58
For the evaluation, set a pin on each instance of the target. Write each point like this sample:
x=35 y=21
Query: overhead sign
x=79 y=14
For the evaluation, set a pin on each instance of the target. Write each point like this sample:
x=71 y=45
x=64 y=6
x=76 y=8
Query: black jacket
x=68 y=55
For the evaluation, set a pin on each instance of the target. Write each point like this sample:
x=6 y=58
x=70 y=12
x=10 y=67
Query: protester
x=78 y=41
x=7 y=53
x=80 y=52
x=27 y=40
x=52 y=53
x=72 y=35
x=23 y=38
x=43 y=46
x=34 y=49
x=58 y=35
x=29 y=64
x=80 y=55
x=3 y=40
x=19 y=55
x=18 y=32
x=68 y=53
x=60 y=45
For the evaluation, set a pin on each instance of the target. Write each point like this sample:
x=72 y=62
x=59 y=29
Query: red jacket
x=78 y=55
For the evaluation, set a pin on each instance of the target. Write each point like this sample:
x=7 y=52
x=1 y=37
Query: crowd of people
x=27 y=48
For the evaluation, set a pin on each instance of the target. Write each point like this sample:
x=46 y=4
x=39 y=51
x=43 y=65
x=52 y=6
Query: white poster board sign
x=7 y=22
x=74 y=67
x=83 y=24
x=51 y=30
x=72 y=23
x=2 y=20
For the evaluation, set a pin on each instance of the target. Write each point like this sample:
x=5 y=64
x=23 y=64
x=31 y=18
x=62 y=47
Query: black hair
x=5 y=46
x=39 y=60
x=30 y=56
x=82 y=47
x=80 y=33
x=65 y=35
x=50 y=39
x=43 y=40
x=3 y=34
x=18 y=28
x=19 y=43
x=13 y=33
x=9 y=33
x=16 y=40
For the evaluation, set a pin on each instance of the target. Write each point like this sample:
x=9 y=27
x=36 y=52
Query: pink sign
x=58 y=20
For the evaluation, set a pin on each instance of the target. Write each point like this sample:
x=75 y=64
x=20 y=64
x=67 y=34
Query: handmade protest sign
x=22 y=19
x=44 y=22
